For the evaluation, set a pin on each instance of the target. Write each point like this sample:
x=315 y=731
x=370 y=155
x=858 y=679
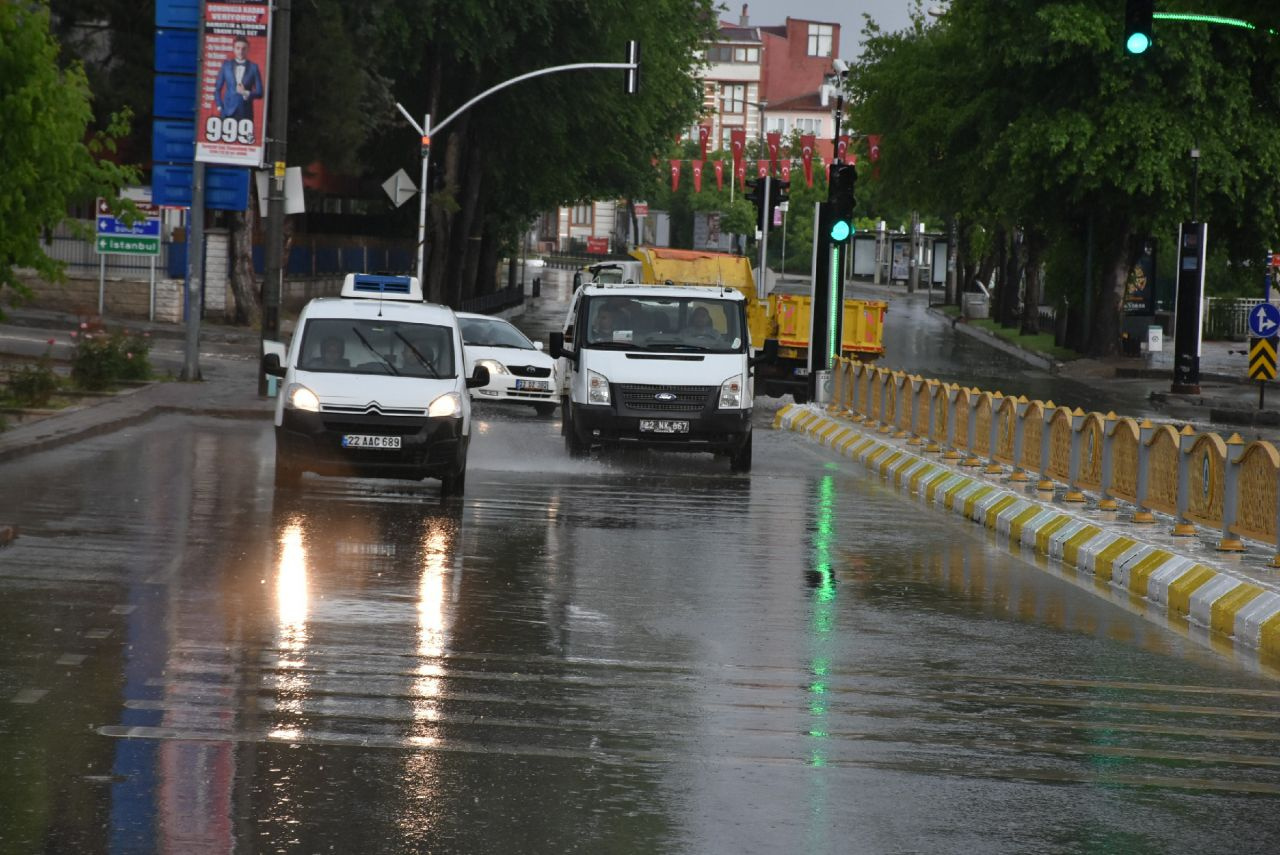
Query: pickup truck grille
x=688 y=399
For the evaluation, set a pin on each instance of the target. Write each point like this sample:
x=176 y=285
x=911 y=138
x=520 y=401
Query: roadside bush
x=101 y=358
x=34 y=385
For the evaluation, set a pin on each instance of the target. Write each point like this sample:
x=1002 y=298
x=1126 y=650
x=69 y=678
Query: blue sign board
x=1264 y=320
x=108 y=225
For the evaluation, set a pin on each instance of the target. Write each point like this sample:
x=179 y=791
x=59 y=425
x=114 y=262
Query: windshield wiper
x=427 y=363
x=369 y=347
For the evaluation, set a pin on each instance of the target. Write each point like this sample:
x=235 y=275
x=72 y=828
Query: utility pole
x=273 y=279
x=195 y=246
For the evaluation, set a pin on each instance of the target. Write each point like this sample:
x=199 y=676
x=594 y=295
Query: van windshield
x=700 y=324
x=379 y=346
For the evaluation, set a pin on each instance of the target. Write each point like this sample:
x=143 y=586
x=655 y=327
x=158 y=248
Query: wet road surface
x=631 y=653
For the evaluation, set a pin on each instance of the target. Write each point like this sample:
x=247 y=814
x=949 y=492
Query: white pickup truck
x=659 y=366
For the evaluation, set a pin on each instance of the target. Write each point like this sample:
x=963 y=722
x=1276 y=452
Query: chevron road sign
x=1262 y=358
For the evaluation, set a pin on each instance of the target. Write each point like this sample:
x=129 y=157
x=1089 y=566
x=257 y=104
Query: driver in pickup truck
x=700 y=322
x=603 y=325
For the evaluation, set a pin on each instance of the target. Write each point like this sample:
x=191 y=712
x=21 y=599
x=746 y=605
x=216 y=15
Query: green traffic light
x=840 y=230
x=1138 y=42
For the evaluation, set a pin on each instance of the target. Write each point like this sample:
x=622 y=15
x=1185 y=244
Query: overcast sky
x=889 y=14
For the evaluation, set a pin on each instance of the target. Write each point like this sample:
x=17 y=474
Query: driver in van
x=332 y=353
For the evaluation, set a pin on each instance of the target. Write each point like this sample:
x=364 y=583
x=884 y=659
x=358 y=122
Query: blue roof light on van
x=379 y=287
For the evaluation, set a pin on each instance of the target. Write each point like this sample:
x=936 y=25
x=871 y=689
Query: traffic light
x=842 y=185
x=756 y=198
x=1138 y=15
x=778 y=191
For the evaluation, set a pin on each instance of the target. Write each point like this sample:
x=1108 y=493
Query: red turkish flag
x=775 y=139
x=697 y=176
x=719 y=174
x=737 y=144
x=762 y=168
x=675 y=175
x=842 y=148
x=740 y=171
x=806 y=157
x=873 y=142
x=785 y=171
x=704 y=134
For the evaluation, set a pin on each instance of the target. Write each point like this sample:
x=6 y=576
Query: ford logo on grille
x=665 y=396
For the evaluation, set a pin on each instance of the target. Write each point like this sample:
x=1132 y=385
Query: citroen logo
x=665 y=396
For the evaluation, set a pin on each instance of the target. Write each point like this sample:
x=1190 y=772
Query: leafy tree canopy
x=48 y=160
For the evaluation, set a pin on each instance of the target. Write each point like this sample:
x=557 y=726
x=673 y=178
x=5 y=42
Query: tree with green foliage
x=49 y=161
x=545 y=142
x=1032 y=117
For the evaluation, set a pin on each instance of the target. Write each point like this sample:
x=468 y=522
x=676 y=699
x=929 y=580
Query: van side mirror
x=480 y=377
x=555 y=345
x=271 y=365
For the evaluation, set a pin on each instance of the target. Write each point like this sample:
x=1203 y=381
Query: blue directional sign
x=1264 y=320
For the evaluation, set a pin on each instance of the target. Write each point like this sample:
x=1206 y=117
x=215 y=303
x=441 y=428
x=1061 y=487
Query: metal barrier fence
x=1228 y=317
x=1199 y=479
x=308 y=256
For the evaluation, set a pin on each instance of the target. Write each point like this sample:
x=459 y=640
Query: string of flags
x=773 y=165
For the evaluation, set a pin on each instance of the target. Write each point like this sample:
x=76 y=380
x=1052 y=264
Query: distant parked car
x=535 y=262
x=519 y=372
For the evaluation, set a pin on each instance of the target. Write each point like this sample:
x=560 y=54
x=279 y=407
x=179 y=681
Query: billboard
x=231 y=120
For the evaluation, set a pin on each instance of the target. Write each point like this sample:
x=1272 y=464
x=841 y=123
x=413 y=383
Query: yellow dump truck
x=783 y=317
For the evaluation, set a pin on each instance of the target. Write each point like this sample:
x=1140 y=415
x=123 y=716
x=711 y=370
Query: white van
x=659 y=366
x=373 y=385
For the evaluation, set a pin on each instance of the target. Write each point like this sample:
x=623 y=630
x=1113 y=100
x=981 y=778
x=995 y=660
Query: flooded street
x=631 y=653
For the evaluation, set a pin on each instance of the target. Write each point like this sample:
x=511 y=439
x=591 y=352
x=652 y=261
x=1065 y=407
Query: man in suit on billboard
x=239 y=83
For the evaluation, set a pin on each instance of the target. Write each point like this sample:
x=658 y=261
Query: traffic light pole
x=426 y=129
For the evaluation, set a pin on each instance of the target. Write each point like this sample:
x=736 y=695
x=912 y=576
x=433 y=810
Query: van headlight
x=447 y=405
x=494 y=366
x=731 y=393
x=299 y=397
x=597 y=388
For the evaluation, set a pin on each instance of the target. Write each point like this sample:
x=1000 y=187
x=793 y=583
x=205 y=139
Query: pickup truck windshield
x=377 y=347
x=684 y=324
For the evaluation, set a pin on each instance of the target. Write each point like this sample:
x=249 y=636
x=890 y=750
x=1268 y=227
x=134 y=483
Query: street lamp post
x=426 y=130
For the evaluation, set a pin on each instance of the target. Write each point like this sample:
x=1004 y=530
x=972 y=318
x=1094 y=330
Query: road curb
x=1035 y=360
x=120 y=423
x=1224 y=608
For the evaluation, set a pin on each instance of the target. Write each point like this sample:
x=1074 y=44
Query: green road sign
x=122 y=245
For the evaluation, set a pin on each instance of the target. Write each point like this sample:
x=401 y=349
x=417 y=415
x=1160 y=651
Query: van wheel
x=454 y=483
x=288 y=476
x=572 y=442
x=544 y=409
x=740 y=460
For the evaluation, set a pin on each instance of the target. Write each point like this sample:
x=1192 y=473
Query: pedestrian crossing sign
x=1262 y=358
